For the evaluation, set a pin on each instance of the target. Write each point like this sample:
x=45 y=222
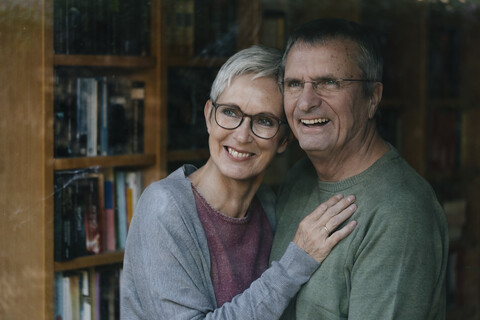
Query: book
x=58 y=297
x=98 y=116
x=85 y=295
x=188 y=28
x=136 y=117
x=455 y=211
x=133 y=186
x=84 y=88
x=121 y=209
x=64 y=206
x=109 y=211
x=92 y=196
x=109 y=293
x=445 y=142
x=118 y=129
x=64 y=115
x=102 y=27
x=78 y=214
x=103 y=116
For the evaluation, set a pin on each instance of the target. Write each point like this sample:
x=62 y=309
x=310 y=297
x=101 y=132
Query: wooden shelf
x=104 y=61
x=131 y=160
x=90 y=261
x=195 y=62
x=185 y=155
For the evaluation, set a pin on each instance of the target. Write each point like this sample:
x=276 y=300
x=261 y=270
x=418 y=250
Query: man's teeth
x=315 y=121
x=237 y=154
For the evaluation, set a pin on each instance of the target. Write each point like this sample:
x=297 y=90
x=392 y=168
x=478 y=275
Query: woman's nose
x=244 y=133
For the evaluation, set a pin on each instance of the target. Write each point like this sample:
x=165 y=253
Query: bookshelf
x=29 y=144
x=35 y=57
x=215 y=29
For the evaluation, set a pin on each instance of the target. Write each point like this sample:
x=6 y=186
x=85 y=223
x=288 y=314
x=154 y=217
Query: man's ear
x=207 y=111
x=285 y=141
x=375 y=100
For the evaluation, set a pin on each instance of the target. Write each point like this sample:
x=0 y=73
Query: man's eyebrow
x=291 y=79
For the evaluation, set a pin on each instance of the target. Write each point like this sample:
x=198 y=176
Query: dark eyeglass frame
x=315 y=83
x=280 y=121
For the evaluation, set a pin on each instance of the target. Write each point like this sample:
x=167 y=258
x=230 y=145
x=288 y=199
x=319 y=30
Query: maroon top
x=239 y=248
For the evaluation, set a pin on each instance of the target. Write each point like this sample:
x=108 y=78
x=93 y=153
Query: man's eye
x=330 y=83
x=294 y=84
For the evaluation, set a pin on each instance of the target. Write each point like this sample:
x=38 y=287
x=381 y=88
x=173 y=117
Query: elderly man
x=393 y=265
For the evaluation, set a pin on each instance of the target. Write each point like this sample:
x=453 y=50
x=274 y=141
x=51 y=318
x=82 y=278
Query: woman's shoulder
x=168 y=198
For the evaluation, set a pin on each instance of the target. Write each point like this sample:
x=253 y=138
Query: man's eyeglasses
x=321 y=86
x=230 y=117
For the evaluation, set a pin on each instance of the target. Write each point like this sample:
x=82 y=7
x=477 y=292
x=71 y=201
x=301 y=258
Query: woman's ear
x=375 y=100
x=207 y=111
x=285 y=141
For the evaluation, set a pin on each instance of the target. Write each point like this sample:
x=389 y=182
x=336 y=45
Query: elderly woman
x=200 y=239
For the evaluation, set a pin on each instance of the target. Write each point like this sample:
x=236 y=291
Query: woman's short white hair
x=260 y=61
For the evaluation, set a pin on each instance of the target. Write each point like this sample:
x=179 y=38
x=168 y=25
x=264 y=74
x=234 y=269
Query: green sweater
x=393 y=264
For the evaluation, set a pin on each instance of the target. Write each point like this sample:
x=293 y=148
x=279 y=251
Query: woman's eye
x=265 y=121
x=230 y=112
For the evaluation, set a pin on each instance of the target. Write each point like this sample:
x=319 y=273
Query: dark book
x=63 y=209
x=216 y=28
x=109 y=239
x=445 y=140
x=118 y=126
x=109 y=295
x=93 y=203
x=64 y=116
x=444 y=51
x=189 y=89
x=136 y=115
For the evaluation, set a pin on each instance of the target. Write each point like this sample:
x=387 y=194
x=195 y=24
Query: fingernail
x=339 y=196
x=351 y=198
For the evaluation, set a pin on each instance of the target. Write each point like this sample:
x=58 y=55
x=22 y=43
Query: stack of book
x=87 y=294
x=203 y=28
x=93 y=211
x=98 y=116
x=102 y=27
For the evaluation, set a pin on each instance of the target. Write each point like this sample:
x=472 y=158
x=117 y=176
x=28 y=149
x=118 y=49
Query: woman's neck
x=229 y=196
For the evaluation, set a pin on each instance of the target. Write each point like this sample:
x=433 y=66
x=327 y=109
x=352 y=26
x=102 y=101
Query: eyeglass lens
x=229 y=117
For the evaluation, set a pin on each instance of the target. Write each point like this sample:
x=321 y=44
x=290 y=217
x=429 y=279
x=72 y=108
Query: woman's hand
x=317 y=234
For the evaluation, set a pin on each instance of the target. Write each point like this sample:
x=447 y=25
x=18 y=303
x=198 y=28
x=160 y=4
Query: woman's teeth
x=237 y=154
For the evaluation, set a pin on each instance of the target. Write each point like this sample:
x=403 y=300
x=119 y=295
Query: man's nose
x=308 y=98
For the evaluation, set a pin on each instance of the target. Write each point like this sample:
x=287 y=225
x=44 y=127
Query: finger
x=340 y=234
x=322 y=208
x=340 y=217
x=336 y=209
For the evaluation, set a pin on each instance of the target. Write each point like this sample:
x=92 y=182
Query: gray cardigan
x=166 y=272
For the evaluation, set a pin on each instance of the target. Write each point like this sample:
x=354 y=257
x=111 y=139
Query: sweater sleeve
x=399 y=262
x=166 y=275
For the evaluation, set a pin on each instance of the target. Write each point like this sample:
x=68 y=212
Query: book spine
x=103 y=116
x=109 y=229
x=121 y=209
x=136 y=121
x=92 y=117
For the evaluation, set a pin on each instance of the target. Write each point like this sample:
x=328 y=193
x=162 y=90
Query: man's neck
x=333 y=166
